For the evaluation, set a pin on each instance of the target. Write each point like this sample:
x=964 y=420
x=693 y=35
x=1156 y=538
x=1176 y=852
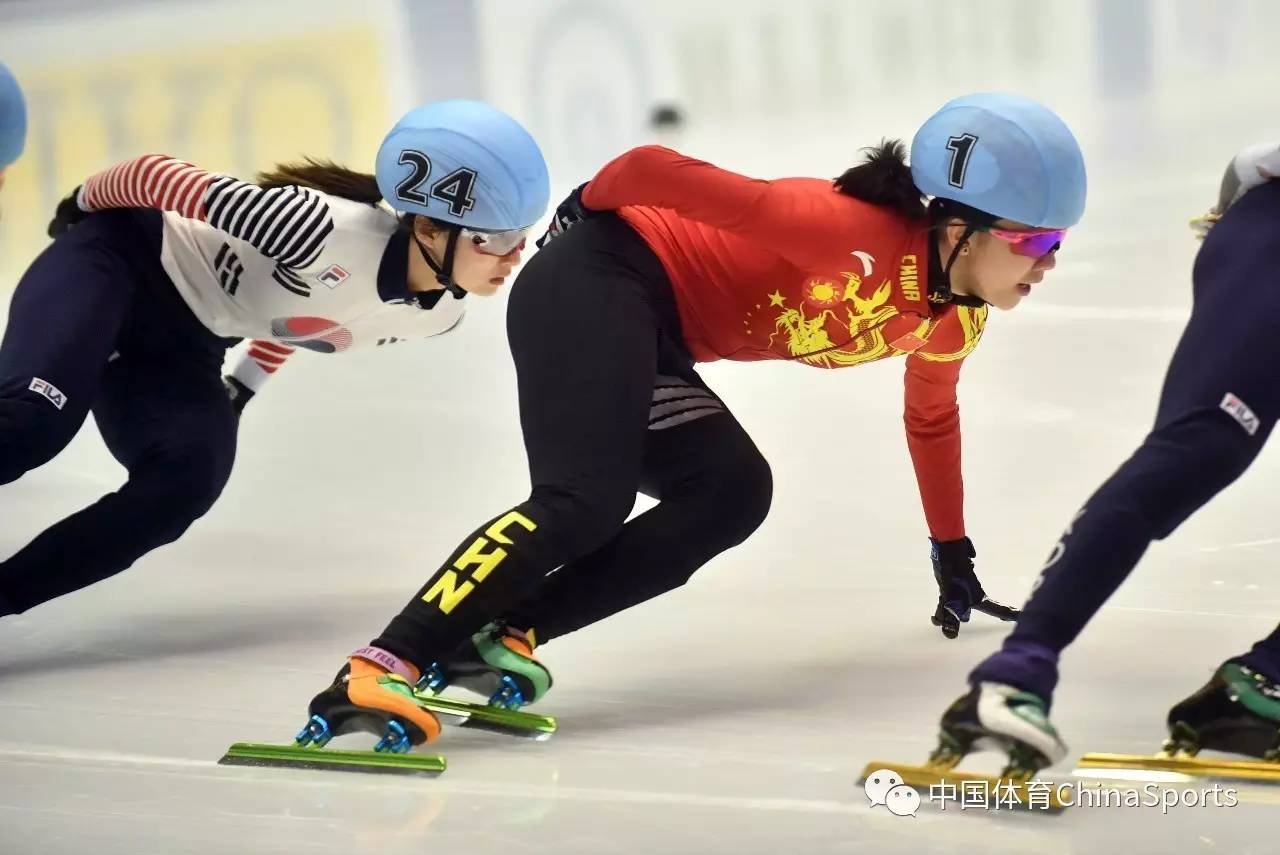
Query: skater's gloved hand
x=569 y=213
x=959 y=590
x=67 y=214
x=238 y=393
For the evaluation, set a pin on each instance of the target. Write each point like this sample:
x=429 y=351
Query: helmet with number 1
x=466 y=163
x=1005 y=155
x=13 y=118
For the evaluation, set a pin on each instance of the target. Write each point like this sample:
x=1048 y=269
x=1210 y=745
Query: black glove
x=238 y=393
x=569 y=213
x=958 y=587
x=67 y=214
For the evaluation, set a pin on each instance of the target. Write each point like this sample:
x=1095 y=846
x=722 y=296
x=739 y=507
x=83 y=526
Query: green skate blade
x=1225 y=770
x=484 y=717
x=297 y=757
x=923 y=778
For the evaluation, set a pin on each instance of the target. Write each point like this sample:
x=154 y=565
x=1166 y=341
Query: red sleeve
x=932 y=417
x=151 y=181
x=803 y=226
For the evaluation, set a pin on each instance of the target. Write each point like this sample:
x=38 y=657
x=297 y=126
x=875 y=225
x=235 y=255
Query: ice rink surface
x=734 y=714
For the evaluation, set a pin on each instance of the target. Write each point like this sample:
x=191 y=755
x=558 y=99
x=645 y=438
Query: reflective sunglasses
x=1033 y=243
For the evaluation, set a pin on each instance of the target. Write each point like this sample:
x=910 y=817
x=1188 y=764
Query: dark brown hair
x=325 y=176
x=328 y=177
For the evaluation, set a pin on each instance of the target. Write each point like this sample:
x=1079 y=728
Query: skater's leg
x=1218 y=406
x=714 y=490
x=63 y=322
x=164 y=414
x=583 y=336
x=178 y=453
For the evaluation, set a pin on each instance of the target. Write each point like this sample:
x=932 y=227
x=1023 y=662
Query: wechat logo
x=885 y=787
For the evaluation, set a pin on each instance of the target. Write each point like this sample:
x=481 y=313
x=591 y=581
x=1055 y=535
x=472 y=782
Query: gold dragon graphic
x=807 y=338
x=973 y=321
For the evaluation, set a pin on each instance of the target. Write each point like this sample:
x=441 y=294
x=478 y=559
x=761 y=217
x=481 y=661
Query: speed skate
x=1237 y=713
x=392 y=754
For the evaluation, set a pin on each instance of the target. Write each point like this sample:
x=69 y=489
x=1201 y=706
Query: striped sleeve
x=288 y=224
x=258 y=360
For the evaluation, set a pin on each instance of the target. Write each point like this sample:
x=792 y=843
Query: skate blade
x=1142 y=766
x=924 y=778
x=484 y=717
x=296 y=757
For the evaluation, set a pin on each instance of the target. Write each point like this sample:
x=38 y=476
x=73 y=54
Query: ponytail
x=325 y=176
x=334 y=180
x=884 y=179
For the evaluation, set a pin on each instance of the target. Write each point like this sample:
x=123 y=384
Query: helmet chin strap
x=444 y=272
x=960 y=299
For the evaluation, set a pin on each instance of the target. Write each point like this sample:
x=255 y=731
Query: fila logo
x=50 y=391
x=1240 y=411
x=333 y=275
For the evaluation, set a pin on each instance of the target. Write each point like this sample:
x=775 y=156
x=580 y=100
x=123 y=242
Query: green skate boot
x=498 y=663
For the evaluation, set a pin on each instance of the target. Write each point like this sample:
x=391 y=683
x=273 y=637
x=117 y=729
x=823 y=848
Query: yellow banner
x=234 y=107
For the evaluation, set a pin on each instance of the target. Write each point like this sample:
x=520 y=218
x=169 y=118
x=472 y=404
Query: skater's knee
x=31 y=434
x=600 y=514
x=1198 y=459
x=204 y=474
x=728 y=498
x=1211 y=444
x=207 y=475
x=584 y=519
x=1229 y=451
x=182 y=486
x=744 y=494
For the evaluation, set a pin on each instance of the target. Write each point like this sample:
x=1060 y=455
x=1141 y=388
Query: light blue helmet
x=1005 y=155
x=464 y=162
x=13 y=118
